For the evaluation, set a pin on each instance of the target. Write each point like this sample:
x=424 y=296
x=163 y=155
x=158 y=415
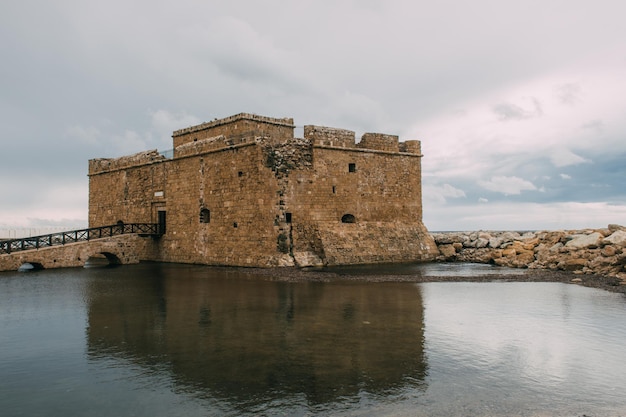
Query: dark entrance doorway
x=161 y=221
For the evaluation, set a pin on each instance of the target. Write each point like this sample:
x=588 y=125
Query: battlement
x=100 y=165
x=329 y=136
x=342 y=138
x=379 y=142
x=411 y=146
x=236 y=127
x=245 y=128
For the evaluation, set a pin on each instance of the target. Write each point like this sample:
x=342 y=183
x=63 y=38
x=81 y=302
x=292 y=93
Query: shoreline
x=294 y=274
x=585 y=253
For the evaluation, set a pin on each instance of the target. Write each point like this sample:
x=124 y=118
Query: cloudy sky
x=520 y=106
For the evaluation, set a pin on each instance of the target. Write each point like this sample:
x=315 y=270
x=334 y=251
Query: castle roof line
x=285 y=121
x=97 y=166
x=366 y=150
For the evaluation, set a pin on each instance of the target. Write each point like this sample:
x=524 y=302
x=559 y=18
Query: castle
x=243 y=191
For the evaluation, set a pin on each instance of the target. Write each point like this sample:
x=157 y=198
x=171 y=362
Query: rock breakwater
x=588 y=251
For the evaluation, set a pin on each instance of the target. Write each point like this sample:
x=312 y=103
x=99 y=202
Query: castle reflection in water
x=220 y=333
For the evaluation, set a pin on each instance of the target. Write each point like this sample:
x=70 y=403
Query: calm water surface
x=175 y=340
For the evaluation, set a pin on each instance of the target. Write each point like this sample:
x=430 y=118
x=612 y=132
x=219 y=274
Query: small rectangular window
x=352 y=167
x=288 y=217
x=334 y=189
x=205 y=215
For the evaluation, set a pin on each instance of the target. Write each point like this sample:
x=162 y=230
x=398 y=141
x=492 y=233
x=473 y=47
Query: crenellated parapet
x=411 y=146
x=100 y=165
x=379 y=142
x=329 y=136
x=342 y=138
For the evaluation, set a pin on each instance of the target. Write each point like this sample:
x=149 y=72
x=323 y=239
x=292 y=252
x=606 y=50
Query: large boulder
x=572 y=264
x=495 y=242
x=582 y=241
x=510 y=236
x=617 y=238
x=447 y=251
x=481 y=243
x=616 y=227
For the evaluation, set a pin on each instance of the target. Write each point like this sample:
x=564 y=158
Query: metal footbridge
x=81 y=235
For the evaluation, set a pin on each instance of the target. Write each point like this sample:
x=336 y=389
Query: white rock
x=556 y=247
x=510 y=236
x=481 y=243
x=617 y=238
x=495 y=242
x=592 y=240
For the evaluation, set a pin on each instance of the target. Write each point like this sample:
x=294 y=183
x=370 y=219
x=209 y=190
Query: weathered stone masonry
x=122 y=249
x=243 y=191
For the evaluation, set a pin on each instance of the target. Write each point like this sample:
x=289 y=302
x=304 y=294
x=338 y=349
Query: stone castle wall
x=271 y=201
x=226 y=182
x=131 y=194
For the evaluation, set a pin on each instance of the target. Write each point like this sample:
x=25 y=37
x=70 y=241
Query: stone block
x=572 y=264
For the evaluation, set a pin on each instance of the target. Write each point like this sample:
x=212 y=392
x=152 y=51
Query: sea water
x=180 y=340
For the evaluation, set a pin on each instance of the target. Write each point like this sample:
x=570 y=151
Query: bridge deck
x=81 y=235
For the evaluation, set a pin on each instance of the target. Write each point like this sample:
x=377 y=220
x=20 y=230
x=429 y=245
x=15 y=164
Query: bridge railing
x=82 y=235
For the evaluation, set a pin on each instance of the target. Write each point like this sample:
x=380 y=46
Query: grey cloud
x=535 y=179
x=569 y=93
x=510 y=111
x=507 y=185
x=596 y=126
x=84 y=78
